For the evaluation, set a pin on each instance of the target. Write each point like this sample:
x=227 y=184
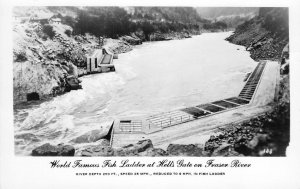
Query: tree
x=68 y=32
x=48 y=29
x=147 y=29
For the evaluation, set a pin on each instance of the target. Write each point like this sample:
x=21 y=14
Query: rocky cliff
x=265 y=35
x=45 y=53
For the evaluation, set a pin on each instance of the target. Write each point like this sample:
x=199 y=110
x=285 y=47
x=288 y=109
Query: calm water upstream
x=154 y=77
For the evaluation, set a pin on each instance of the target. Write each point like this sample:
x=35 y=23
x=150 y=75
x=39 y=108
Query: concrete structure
x=39 y=20
x=54 y=21
x=193 y=124
x=99 y=61
x=45 y=20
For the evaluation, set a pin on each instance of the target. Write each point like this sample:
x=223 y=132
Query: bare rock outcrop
x=184 y=150
x=129 y=150
x=131 y=40
x=50 y=150
x=265 y=38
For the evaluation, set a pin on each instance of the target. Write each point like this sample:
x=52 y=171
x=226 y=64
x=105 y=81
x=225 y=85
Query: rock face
x=154 y=152
x=265 y=135
x=184 y=150
x=98 y=151
x=156 y=36
x=232 y=140
x=131 y=40
x=50 y=150
x=265 y=38
x=117 y=46
x=130 y=150
x=42 y=64
x=36 y=78
x=134 y=150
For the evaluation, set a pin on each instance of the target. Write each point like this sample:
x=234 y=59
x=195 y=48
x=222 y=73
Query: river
x=154 y=77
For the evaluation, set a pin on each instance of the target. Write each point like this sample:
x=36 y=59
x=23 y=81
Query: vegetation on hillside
x=114 y=22
x=215 y=26
x=275 y=20
x=215 y=12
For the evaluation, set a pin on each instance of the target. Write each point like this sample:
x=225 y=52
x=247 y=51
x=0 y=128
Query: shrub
x=21 y=57
x=68 y=33
x=48 y=29
x=44 y=37
x=68 y=20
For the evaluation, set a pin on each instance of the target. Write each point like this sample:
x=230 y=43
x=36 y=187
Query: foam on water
x=154 y=77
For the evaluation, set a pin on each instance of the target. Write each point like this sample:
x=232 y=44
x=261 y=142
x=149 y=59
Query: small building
x=39 y=20
x=54 y=21
x=92 y=61
x=99 y=61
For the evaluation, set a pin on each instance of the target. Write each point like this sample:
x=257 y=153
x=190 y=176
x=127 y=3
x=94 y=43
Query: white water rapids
x=154 y=77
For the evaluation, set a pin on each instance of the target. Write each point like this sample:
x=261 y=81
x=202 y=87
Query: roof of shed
x=96 y=53
x=56 y=19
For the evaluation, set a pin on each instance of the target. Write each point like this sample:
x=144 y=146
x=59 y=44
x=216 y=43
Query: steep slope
x=232 y=16
x=265 y=35
x=215 y=12
x=169 y=14
x=46 y=53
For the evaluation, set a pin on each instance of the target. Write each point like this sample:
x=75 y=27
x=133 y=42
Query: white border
x=30 y=172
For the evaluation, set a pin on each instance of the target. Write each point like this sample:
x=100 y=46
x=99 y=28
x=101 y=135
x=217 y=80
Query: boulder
x=222 y=150
x=134 y=149
x=242 y=149
x=97 y=151
x=72 y=83
x=184 y=150
x=103 y=142
x=126 y=152
x=143 y=145
x=131 y=40
x=154 y=152
x=129 y=150
x=257 y=140
x=91 y=136
x=50 y=150
x=157 y=37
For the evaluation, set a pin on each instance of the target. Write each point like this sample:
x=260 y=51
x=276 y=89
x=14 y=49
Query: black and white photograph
x=151 y=81
x=149 y=94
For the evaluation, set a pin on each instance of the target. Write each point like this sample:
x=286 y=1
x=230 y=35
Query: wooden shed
x=93 y=61
x=99 y=61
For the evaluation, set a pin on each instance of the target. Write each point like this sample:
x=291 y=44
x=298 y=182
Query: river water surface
x=154 y=77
